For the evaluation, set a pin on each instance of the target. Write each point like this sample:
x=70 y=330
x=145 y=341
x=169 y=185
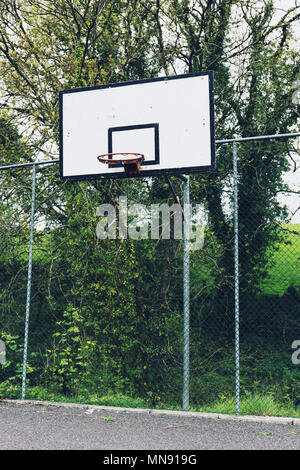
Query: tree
x=15 y=203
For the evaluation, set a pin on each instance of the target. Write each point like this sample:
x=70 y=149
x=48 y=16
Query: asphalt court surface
x=38 y=426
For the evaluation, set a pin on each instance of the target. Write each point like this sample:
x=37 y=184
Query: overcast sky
x=292 y=178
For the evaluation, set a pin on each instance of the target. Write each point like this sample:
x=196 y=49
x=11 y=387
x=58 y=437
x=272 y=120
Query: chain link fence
x=137 y=322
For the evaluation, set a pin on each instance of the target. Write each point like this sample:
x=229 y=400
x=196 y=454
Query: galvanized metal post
x=186 y=293
x=236 y=278
x=29 y=276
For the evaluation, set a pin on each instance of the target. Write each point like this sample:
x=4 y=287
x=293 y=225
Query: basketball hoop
x=130 y=161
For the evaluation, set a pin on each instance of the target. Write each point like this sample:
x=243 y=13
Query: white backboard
x=170 y=120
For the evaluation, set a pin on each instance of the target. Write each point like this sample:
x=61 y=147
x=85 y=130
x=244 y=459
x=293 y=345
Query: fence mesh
x=106 y=315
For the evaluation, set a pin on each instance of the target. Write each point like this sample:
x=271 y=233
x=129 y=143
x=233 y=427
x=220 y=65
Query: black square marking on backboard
x=155 y=127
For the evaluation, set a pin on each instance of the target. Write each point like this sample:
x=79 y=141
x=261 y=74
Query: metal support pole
x=236 y=278
x=28 y=282
x=186 y=294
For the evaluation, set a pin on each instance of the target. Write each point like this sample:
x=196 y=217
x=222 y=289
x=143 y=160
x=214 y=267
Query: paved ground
x=38 y=426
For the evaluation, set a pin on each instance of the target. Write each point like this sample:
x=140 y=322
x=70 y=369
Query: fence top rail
x=21 y=165
x=258 y=137
x=218 y=142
